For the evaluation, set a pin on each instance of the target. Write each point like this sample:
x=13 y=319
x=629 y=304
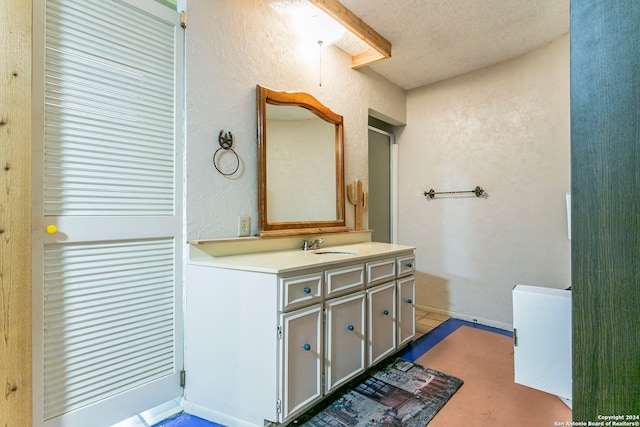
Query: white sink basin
x=334 y=252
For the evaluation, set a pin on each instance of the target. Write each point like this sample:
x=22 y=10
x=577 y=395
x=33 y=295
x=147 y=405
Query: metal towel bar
x=478 y=191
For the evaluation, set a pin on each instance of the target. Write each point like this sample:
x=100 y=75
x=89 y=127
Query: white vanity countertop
x=291 y=260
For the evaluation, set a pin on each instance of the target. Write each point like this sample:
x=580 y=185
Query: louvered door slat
x=76 y=357
x=105 y=87
x=115 y=38
x=73 y=148
x=96 y=330
x=88 y=372
x=92 y=79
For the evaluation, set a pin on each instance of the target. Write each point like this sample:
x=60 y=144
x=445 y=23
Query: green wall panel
x=605 y=162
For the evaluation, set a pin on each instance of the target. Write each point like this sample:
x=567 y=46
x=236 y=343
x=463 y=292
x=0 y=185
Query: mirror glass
x=300 y=164
x=298 y=137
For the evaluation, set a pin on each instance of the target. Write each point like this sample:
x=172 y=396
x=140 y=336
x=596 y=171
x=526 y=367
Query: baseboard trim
x=214 y=416
x=466 y=317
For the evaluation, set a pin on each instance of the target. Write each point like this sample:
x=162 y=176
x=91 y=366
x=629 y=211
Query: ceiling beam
x=357 y=26
x=366 y=58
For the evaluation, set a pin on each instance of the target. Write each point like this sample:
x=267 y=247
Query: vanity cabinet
x=264 y=344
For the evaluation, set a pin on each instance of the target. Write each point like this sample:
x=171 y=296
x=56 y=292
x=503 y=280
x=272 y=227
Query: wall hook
x=225 y=139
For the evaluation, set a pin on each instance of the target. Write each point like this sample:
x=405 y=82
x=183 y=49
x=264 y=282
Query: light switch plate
x=244 y=226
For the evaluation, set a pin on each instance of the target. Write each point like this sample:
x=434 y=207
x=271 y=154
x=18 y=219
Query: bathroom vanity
x=272 y=329
x=270 y=334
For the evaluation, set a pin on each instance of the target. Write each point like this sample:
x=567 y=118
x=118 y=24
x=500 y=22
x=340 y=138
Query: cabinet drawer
x=380 y=271
x=406 y=265
x=342 y=280
x=298 y=291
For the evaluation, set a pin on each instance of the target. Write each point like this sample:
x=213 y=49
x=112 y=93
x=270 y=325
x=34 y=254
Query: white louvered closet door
x=107 y=209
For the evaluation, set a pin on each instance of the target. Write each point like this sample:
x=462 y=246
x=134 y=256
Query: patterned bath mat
x=400 y=393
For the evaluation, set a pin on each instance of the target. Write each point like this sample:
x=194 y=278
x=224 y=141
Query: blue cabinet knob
x=307 y=290
x=306 y=347
x=409 y=300
x=409 y=265
x=386 y=312
x=350 y=327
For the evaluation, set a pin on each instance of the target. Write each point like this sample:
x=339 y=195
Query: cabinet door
x=301 y=360
x=345 y=339
x=406 y=310
x=382 y=322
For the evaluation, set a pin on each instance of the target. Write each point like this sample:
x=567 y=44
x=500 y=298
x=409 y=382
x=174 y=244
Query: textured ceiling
x=437 y=39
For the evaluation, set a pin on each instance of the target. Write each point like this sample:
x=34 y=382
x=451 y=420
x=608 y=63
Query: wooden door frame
x=16 y=399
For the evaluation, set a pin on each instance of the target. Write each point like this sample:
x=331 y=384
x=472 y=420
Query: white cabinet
x=264 y=346
x=232 y=345
x=391 y=306
x=381 y=309
x=382 y=325
x=301 y=362
x=542 y=339
x=345 y=339
x=406 y=309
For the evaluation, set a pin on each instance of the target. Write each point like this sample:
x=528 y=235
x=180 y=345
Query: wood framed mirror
x=300 y=165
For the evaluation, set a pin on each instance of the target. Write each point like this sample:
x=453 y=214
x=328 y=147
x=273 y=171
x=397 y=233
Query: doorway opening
x=383 y=161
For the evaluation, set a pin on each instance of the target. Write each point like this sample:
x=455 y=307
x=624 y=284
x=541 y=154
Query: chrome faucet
x=312 y=245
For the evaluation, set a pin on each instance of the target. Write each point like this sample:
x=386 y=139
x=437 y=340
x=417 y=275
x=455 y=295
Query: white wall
x=231 y=47
x=506 y=129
